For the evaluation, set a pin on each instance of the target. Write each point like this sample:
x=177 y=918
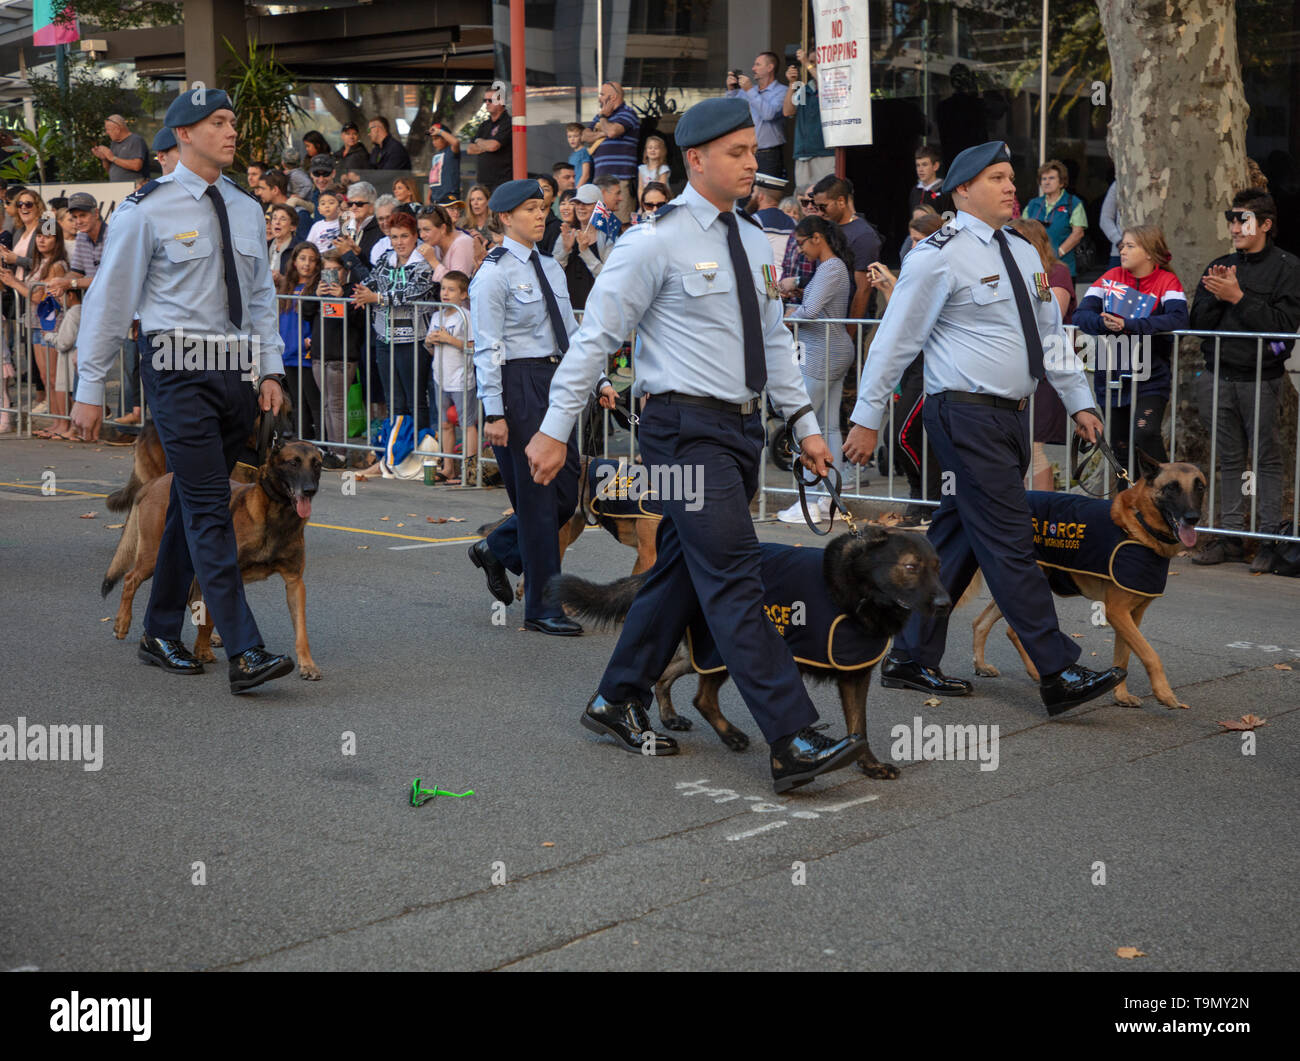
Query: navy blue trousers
x=203 y=420
x=983 y=523
x=709 y=561
x=528 y=543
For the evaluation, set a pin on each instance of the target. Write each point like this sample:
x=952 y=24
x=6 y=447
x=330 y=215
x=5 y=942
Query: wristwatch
x=492 y=419
x=73 y=285
x=278 y=377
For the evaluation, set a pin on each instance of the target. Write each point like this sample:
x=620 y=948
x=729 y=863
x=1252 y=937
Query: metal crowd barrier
x=22 y=340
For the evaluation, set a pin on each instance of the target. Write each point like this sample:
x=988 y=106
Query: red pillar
x=518 y=102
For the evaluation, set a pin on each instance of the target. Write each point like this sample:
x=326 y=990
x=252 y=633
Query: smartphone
x=329 y=276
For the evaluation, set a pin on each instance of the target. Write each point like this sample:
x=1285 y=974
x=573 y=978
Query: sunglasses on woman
x=804 y=201
x=27 y=205
x=654 y=204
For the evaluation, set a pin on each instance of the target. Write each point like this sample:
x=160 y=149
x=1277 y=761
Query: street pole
x=518 y=90
x=1042 y=92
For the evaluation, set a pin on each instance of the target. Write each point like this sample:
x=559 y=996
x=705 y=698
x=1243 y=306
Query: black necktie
x=552 y=307
x=1028 y=324
x=750 y=320
x=234 y=303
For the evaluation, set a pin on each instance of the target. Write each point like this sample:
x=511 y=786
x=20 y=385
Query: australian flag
x=604 y=220
x=1125 y=301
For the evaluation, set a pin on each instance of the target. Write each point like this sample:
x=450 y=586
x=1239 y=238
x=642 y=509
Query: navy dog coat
x=619 y=489
x=1074 y=533
x=797 y=604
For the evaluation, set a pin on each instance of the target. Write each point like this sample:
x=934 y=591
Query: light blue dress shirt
x=765 y=107
x=954 y=300
x=162 y=259
x=671 y=279
x=509 y=318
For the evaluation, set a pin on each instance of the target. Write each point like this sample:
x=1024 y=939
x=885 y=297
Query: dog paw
x=309 y=672
x=878 y=770
x=676 y=723
x=120 y=632
x=1127 y=699
x=735 y=740
x=987 y=670
x=206 y=656
x=216 y=640
x=1173 y=703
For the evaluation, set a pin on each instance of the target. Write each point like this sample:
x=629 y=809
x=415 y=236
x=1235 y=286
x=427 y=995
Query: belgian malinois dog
x=269 y=517
x=875 y=579
x=1160 y=512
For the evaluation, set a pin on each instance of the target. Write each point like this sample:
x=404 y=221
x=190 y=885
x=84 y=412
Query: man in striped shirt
x=618 y=127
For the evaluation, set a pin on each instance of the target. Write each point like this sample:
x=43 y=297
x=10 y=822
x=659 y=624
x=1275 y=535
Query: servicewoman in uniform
x=187 y=251
x=695 y=281
x=974 y=296
x=522 y=319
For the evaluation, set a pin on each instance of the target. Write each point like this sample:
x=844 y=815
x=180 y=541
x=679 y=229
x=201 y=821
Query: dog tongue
x=1187 y=535
x=303 y=505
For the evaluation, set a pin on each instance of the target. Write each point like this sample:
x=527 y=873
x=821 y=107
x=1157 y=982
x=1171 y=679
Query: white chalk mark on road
x=760 y=829
x=844 y=806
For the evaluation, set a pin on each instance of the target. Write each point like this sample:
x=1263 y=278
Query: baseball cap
x=588 y=194
x=82 y=201
x=349 y=127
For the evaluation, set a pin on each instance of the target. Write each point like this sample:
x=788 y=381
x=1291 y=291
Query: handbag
x=356 y=411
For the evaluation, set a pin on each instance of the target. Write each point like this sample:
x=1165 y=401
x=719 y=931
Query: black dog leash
x=1103 y=447
x=837 y=502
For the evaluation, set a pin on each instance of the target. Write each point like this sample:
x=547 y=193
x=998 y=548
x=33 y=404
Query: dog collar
x=1166 y=539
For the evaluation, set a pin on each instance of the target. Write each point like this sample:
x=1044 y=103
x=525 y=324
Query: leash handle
x=837 y=502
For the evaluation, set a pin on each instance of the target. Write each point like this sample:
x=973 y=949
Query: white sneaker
x=794 y=514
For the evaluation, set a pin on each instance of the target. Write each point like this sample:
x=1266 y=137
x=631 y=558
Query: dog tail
x=488 y=528
x=124 y=558
x=600 y=605
x=972 y=591
x=121 y=500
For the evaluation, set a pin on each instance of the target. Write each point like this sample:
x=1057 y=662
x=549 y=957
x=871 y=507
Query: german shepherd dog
x=149 y=461
x=269 y=516
x=879 y=577
x=1167 y=498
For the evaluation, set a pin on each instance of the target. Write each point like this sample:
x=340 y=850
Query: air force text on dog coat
x=618 y=481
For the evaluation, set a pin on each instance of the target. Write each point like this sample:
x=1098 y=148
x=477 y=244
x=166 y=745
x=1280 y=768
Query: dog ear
x=872 y=536
x=1149 y=465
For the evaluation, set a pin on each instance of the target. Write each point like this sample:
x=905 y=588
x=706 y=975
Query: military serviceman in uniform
x=692 y=282
x=166 y=151
x=522 y=319
x=975 y=297
x=188 y=251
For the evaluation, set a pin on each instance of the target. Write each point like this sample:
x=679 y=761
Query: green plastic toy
x=420 y=795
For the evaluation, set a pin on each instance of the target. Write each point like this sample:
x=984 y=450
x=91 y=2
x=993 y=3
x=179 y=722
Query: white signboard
x=843 y=71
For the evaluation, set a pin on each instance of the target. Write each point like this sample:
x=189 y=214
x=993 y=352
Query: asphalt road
x=314 y=859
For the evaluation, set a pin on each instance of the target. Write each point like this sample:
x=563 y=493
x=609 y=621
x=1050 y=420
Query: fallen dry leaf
x=1129 y=952
x=934 y=701
x=119 y=526
x=548 y=843
x=1256 y=574
x=106 y=619
x=361 y=478
x=383 y=519
x=1282 y=666
x=435 y=519
x=455 y=519
x=89 y=515
x=401 y=524
x=363 y=547
x=1244 y=723
x=1076 y=635
x=411 y=515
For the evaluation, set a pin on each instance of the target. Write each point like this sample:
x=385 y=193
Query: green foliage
x=262 y=90
x=28 y=163
x=78 y=117
x=109 y=15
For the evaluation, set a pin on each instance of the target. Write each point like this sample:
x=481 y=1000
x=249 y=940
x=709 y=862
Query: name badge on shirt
x=1042 y=288
x=187 y=238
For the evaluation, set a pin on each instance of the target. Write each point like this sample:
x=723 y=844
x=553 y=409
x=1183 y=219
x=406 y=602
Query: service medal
x=1042 y=288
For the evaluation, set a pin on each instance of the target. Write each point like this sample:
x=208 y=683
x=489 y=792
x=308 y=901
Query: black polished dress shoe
x=800 y=757
x=628 y=725
x=254 y=666
x=486 y=560
x=1077 y=685
x=172 y=656
x=910 y=675
x=559 y=625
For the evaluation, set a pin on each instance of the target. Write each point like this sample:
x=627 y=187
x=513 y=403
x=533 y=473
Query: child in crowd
x=580 y=159
x=654 y=165
x=453 y=373
x=324 y=232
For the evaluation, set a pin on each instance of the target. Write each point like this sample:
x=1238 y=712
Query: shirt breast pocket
x=180 y=251
x=526 y=296
x=984 y=295
x=250 y=247
x=711 y=283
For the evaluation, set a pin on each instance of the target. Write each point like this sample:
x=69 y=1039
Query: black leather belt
x=1015 y=404
x=553 y=359
x=742 y=409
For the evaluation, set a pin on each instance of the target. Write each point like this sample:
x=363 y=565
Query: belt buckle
x=1020 y=408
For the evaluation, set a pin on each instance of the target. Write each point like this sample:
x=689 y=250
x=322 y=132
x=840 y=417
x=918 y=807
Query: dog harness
x=797 y=604
x=1074 y=533
x=620 y=490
